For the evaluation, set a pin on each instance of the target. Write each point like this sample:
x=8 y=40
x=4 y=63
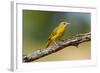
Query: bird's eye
x=64 y=23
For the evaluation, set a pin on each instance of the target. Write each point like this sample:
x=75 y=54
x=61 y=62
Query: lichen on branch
x=75 y=41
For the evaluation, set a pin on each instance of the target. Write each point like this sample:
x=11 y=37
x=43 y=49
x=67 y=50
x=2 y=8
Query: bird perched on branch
x=57 y=33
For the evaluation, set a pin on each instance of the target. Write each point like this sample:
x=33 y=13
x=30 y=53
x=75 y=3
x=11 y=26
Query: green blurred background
x=37 y=26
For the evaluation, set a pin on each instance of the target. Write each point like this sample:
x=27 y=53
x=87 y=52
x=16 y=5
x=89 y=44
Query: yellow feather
x=57 y=33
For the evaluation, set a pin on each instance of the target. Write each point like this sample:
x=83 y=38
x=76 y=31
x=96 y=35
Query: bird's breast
x=61 y=31
x=59 y=34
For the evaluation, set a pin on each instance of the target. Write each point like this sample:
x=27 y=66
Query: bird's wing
x=53 y=33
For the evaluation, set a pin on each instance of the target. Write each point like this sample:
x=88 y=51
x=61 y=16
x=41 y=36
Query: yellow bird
x=57 y=33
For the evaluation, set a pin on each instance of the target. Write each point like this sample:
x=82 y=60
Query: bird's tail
x=47 y=44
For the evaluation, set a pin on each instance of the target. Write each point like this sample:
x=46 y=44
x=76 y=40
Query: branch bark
x=75 y=41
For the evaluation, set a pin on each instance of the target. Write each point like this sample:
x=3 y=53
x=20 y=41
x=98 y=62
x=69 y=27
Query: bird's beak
x=68 y=23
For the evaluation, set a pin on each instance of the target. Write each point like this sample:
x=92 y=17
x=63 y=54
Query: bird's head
x=64 y=23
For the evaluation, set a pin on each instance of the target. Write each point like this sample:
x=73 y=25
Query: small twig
x=52 y=49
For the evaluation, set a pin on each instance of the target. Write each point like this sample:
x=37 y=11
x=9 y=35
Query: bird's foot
x=56 y=44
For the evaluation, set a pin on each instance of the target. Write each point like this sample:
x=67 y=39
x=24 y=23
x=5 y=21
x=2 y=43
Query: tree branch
x=75 y=41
